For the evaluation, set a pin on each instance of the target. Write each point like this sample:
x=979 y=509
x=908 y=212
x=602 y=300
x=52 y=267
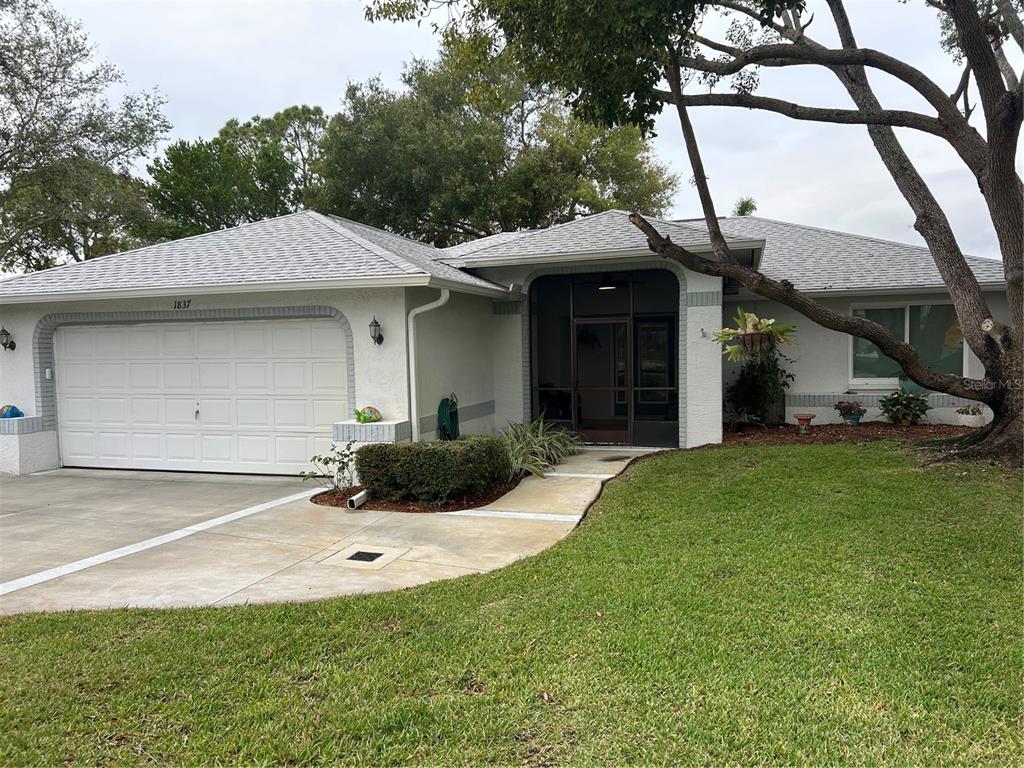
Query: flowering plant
x=848 y=408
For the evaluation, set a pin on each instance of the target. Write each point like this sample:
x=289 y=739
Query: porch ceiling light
x=375 y=333
x=6 y=341
x=607 y=284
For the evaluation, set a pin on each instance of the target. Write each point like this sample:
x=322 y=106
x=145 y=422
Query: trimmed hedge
x=432 y=472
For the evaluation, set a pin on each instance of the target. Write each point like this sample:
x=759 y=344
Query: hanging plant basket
x=755 y=345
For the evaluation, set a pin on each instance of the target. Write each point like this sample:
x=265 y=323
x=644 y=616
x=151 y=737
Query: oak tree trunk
x=1001 y=441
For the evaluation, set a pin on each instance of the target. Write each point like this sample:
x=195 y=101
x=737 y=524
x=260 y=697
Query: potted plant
x=754 y=337
x=972 y=415
x=851 y=411
x=904 y=408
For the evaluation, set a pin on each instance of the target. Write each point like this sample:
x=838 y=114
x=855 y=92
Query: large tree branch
x=784 y=293
x=700 y=179
x=788 y=54
x=1009 y=76
x=930 y=221
x=977 y=48
x=894 y=117
x=957 y=131
x=1000 y=184
x=1012 y=21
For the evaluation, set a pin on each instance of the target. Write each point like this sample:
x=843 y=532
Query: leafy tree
x=745 y=206
x=624 y=61
x=467 y=151
x=298 y=131
x=85 y=210
x=55 y=120
x=201 y=186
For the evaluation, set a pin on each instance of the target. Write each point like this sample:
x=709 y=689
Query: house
x=248 y=349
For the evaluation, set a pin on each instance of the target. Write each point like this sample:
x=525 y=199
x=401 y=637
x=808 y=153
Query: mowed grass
x=783 y=605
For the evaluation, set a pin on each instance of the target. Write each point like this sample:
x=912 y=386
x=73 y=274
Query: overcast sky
x=217 y=60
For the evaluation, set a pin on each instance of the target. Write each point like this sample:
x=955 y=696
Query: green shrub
x=903 y=407
x=537 y=446
x=432 y=472
x=333 y=470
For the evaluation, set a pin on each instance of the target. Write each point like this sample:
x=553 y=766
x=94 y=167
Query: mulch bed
x=840 y=433
x=340 y=499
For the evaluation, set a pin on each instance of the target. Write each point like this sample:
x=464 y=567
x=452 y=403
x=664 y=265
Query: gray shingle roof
x=816 y=259
x=287 y=249
x=607 y=231
x=472 y=246
x=308 y=246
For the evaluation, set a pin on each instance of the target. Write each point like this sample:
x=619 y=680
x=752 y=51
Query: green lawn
x=793 y=604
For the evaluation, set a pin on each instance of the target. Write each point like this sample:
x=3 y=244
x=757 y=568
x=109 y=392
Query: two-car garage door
x=253 y=396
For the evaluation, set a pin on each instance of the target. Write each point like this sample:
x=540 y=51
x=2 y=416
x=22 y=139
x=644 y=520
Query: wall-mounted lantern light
x=6 y=341
x=607 y=284
x=375 y=333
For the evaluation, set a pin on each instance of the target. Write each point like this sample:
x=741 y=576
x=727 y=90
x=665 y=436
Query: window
x=935 y=334
x=868 y=360
x=932 y=329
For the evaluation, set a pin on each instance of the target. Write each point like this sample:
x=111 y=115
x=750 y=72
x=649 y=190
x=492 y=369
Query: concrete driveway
x=75 y=539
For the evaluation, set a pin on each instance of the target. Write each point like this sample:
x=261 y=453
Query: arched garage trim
x=42 y=342
x=589 y=268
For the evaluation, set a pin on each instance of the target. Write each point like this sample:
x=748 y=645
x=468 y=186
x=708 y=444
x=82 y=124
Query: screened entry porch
x=604 y=355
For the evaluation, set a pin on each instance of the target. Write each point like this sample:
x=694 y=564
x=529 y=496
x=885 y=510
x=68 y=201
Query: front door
x=602 y=371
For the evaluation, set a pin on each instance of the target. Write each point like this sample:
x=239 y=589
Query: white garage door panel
x=266 y=392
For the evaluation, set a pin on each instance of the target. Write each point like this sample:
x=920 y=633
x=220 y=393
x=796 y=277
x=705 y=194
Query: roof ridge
x=337 y=227
x=389 y=233
x=517 y=232
x=543 y=230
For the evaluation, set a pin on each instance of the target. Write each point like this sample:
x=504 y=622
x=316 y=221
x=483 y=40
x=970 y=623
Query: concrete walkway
x=90 y=539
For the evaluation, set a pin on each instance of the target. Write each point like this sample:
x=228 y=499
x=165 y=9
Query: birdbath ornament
x=804 y=420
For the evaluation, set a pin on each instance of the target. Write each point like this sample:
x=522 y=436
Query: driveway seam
x=130 y=549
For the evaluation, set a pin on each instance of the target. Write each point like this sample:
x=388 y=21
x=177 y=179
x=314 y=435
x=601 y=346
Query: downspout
x=413 y=394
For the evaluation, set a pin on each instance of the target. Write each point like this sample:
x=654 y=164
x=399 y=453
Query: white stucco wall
x=703 y=365
x=507 y=365
x=380 y=372
x=821 y=358
x=454 y=350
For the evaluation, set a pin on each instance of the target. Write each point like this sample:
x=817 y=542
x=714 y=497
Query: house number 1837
x=182 y=303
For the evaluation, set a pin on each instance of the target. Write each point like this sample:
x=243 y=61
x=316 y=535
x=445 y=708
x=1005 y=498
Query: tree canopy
x=623 y=61
x=297 y=132
x=60 y=136
x=468 y=149
x=200 y=186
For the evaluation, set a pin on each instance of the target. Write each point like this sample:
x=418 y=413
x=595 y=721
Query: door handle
x=197 y=411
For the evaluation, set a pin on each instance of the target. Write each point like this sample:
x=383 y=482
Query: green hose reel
x=448 y=418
